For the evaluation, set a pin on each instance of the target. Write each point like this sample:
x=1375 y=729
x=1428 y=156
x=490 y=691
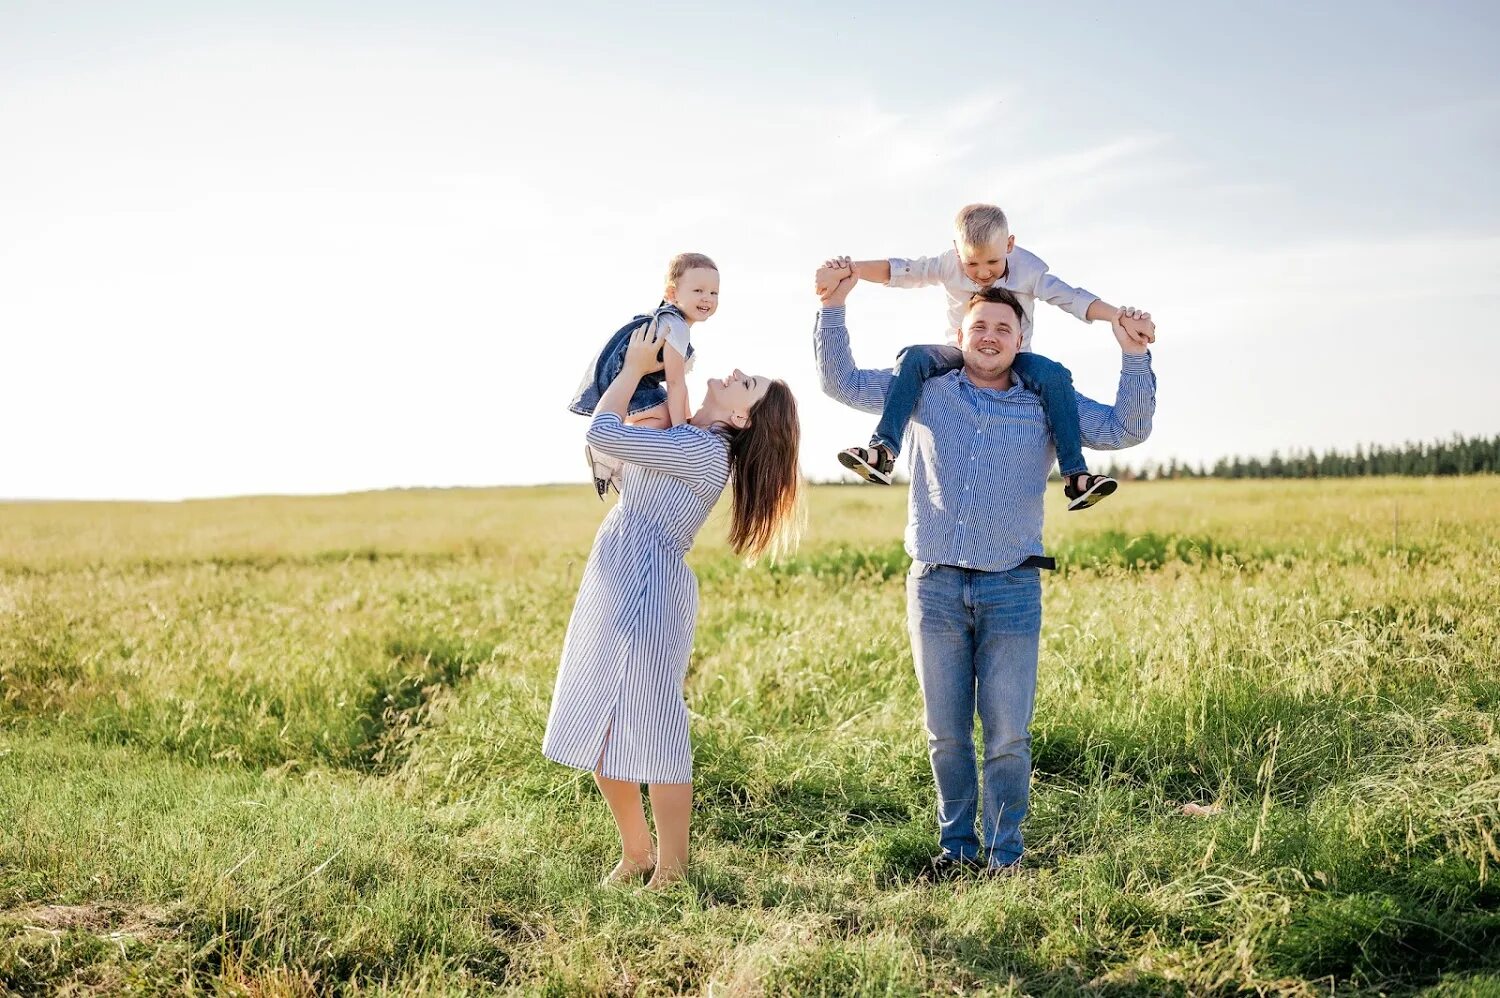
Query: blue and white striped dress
x=618 y=699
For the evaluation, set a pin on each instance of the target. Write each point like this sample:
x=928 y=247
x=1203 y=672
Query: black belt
x=1039 y=561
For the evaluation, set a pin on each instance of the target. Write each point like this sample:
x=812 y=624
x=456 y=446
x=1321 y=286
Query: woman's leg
x=672 y=810
x=624 y=801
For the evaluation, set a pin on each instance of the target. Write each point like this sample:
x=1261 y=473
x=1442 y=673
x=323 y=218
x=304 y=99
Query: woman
x=617 y=709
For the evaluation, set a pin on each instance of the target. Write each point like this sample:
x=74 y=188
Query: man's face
x=991 y=336
x=984 y=265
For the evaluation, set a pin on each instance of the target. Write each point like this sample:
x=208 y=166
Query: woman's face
x=738 y=392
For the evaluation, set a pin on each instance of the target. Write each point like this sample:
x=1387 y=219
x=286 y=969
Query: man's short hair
x=981 y=225
x=995 y=296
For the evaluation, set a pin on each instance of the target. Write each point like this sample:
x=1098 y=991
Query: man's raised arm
x=855 y=387
x=1128 y=421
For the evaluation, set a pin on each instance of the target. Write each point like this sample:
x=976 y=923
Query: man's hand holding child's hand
x=830 y=274
x=1137 y=325
x=835 y=279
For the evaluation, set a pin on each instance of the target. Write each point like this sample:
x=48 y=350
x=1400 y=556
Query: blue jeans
x=1047 y=378
x=974 y=636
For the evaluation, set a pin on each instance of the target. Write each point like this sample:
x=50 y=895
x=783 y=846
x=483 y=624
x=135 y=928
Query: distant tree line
x=1458 y=456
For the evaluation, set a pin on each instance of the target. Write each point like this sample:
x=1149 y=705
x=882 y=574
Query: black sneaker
x=875 y=463
x=945 y=865
x=1002 y=870
x=1093 y=488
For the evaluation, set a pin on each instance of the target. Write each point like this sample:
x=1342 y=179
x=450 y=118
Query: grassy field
x=290 y=746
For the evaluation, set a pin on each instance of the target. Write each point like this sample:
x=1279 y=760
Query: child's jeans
x=1046 y=377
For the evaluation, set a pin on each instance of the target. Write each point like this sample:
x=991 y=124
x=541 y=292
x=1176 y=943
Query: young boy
x=984 y=254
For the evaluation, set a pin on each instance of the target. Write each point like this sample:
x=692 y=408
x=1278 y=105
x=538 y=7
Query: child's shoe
x=1084 y=490
x=875 y=463
x=606 y=472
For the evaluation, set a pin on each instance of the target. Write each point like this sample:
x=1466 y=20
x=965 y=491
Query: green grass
x=290 y=746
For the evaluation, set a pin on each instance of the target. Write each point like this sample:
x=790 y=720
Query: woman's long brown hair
x=767 y=483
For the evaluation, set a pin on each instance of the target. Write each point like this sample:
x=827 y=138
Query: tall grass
x=289 y=746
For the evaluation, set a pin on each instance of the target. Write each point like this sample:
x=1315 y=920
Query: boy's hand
x=833 y=270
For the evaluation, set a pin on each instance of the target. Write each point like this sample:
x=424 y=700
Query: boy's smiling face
x=984 y=265
x=696 y=293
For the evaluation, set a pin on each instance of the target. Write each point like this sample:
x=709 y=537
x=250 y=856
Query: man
x=980 y=453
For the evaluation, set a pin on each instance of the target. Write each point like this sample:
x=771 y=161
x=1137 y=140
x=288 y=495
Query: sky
x=308 y=247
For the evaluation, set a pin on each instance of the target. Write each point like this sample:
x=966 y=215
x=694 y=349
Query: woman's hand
x=643 y=353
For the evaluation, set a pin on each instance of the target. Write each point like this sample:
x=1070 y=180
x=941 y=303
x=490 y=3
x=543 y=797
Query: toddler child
x=660 y=400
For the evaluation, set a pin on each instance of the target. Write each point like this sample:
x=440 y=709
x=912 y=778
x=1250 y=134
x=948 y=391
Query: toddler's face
x=696 y=293
x=984 y=264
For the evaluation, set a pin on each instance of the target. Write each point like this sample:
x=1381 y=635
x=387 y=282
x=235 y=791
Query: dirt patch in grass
x=139 y=922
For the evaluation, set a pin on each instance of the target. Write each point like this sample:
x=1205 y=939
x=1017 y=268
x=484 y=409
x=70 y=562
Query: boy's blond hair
x=981 y=225
x=684 y=262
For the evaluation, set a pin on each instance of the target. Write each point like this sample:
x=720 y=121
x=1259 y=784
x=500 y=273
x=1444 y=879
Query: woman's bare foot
x=664 y=878
x=628 y=870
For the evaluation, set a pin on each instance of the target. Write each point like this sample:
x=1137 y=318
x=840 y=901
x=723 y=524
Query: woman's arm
x=691 y=457
x=640 y=359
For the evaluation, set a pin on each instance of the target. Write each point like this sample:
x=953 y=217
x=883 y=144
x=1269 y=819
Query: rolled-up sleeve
x=1074 y=301
x=923 y=271
x=841 y=381
x=1128 y=421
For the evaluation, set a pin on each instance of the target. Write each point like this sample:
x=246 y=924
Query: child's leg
x=1054 y=383
x=656 y=418
x=671 y=810
x=914 y=365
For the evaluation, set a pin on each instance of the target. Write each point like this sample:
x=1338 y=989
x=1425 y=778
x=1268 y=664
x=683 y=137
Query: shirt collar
x=1015 y=386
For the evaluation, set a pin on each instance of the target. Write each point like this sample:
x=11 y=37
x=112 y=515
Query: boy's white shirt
x=1026 y=276
x=679 y=335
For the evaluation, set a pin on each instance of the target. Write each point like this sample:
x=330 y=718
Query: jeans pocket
x=920 y=569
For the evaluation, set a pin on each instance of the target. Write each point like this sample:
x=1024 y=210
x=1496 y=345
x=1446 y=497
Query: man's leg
x=1008 y=623
x=1054 y=383
x=914 y=365
x=942 y=644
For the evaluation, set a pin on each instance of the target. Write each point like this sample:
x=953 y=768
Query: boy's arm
x=677 y=394
x=895 y=272
x=837 y=268
x=1091 y=308
x=921 y=271
x=875 y=271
